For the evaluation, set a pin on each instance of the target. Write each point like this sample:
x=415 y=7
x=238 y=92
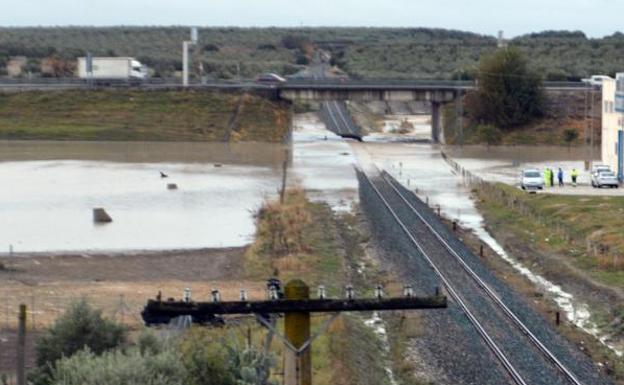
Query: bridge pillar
x=435 y=121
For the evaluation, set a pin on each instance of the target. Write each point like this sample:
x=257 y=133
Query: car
x=598 y=168
x=605 y=178
x=532 y=180
x=595 y=80
x=270 y=78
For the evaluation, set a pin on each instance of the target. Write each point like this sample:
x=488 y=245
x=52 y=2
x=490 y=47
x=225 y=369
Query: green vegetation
x=297 y=239
x=80 y=327
x=362 y=52
x=324 y=249
x=119 y=367
x=168 y=115
x=509 y=93
x=510 y=107
x=584 y=229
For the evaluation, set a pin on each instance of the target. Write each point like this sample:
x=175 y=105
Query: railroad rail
x=338 y=120
x=437 y=251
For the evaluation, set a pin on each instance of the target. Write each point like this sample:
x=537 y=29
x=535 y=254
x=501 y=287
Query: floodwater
x=50 y=188
x=421 y=168
x=323 y=164
x=505 y=163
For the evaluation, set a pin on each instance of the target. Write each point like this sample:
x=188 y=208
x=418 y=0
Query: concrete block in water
x=172 y=186
x=101 y=216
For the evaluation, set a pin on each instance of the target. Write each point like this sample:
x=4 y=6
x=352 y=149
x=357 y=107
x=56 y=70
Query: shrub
x=211 y=361
x=280 y=226
x=81 y=326
x=116 y=367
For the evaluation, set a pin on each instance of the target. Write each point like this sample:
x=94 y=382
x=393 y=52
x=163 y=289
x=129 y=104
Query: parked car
x=599 y=168
x=605 y=178
x=532 y=180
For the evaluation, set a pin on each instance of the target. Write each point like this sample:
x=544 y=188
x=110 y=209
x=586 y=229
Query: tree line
x=361 y=52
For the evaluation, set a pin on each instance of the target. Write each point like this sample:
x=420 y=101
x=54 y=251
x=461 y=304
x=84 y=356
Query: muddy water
x=504 y=164
x=323 y=163
x=50 y=188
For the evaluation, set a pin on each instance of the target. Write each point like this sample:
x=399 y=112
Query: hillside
x=362 y=52
x=138 y=115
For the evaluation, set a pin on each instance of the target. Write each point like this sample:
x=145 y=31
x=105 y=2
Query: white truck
x=112 y=69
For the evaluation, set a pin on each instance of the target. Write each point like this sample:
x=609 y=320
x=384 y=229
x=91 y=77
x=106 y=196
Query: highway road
x=314 y=83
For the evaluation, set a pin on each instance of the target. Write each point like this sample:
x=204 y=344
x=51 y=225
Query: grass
x=297 y=238
x=128 y=115
x=585 y=229
x=330 y=250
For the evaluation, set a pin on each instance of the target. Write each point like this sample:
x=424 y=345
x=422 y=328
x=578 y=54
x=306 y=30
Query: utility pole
x=284 y=176
x=185 y=56
x=21 y=346
x=591 y=130
x=296 y=305
x=297 y=366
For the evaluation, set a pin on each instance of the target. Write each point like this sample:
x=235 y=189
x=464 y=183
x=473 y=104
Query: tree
x=570 y=135
x=509 y=94
x=81 y=326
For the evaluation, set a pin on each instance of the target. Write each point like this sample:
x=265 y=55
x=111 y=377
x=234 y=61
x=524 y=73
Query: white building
x=612 y=123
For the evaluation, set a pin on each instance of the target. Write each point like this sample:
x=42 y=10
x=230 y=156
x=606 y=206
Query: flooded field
x=323 y=163
x=51 y=188
x=505 y=163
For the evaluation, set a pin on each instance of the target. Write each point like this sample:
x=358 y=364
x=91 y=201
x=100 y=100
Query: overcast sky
x=595 y=17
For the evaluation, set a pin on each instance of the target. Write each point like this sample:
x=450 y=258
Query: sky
x=594 y=17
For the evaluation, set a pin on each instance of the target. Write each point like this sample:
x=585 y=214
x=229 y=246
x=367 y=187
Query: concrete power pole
x=297 y=306
x=185 y=58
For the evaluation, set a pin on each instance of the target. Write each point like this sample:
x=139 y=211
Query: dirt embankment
x=140 y=115
x=565 y=110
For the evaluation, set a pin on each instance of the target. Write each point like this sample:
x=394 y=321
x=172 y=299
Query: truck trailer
x=112 y=69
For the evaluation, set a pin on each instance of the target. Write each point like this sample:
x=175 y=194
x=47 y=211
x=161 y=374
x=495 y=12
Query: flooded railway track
x=339 y=121
x=527 y=357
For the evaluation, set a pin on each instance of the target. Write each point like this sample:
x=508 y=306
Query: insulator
x=216 y=296
x=379 y=293
x=350 y=293
x=187 y=295
x=408 y=291
x=243 y=295
x=321 y=292
x=273 y=293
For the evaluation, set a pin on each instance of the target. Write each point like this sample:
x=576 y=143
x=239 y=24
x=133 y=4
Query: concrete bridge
x=437 y=92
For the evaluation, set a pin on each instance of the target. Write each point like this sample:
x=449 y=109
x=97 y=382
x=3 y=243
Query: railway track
x=339 y=121
x=523 y=354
